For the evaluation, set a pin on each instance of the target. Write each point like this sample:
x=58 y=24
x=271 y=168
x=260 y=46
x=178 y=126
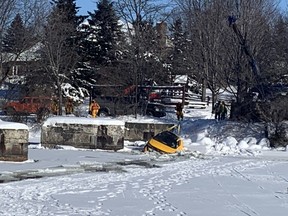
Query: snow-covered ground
x=227 y=169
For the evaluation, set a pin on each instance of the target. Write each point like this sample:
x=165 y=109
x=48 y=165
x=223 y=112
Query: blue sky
x=86 y=5
x=90 y=5
x=283 y=4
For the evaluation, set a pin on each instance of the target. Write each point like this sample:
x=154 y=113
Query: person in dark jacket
x=179 y=111
x=208 y=100
x=222 y=111
x=216 y=110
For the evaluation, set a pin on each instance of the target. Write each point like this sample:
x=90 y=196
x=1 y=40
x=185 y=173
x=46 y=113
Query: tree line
x=238 y=46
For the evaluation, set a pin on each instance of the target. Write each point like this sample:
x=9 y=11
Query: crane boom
x=232 y=23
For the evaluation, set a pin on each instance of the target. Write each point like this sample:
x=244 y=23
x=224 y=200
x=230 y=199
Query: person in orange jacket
x=54 y=106
x=69 y=107
x=94 y=108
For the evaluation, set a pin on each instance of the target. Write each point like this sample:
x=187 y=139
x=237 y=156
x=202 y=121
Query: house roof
x=181 y=79
x=31 y=54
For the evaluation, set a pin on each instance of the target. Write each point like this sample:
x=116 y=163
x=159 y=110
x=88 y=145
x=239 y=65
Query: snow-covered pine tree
x=103 y=35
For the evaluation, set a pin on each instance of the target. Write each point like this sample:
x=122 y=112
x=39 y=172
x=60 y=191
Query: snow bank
x=13 y=125
x=52 y=121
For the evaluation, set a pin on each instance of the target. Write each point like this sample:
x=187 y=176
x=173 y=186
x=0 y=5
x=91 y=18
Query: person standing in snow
x=94 y=108
x=179 y=111
x=216 y=110
x=69 y=108
x=208 y=100
x=222 y=111
x=54 y=106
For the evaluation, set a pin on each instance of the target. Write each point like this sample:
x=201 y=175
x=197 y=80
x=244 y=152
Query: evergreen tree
x=178 y=57
x=65 y=13
x=81 y=74
x=103 y=34
x=17 y=38
x=152 y=51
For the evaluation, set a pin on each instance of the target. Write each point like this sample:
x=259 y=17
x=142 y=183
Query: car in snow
x=165 y=142
x=153 y=109
x=110 y=106
x=28 y=105
x=156 y=110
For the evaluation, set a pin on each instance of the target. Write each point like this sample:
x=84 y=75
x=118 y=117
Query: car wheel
x=103 y=113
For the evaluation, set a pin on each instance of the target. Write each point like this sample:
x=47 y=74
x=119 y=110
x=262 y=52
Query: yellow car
x=165 y=142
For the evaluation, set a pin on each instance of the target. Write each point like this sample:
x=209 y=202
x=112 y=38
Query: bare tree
x=145 y=26
x=216 y=51
x=279 y=55
x=6 y=14
x=34 y=13
x=60 y=46
x=139 y=21
x=144 y=49
x=205 y=23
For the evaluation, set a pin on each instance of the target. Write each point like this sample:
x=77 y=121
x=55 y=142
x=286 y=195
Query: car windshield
x=167 y=138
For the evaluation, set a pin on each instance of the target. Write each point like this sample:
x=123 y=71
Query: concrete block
x=144 y=130
x=13 y=141
x=80 y=132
